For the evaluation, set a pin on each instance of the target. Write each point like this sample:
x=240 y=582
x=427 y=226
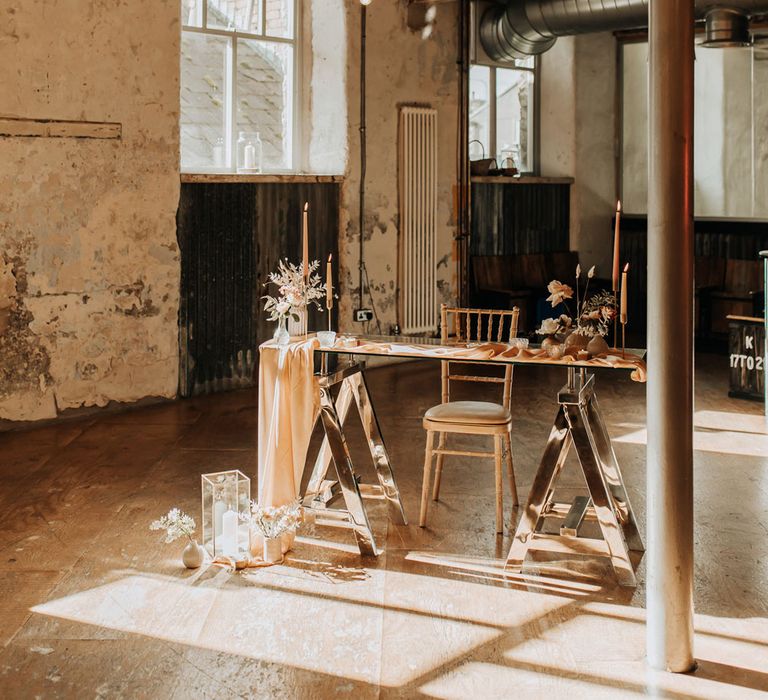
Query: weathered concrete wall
x=403 y=69
x=730 y=138
x=89 y=267
x=578 y=79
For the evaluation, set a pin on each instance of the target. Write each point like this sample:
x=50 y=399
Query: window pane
x=527 y=62
x=731 y=104
x=280 y=18
x=203 y=100
x=265 y=98
x=243 y=15
x=192 y=13
x=514 y=118
x=479 y=112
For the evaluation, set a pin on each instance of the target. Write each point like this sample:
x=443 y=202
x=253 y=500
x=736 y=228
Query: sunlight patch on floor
x=289 y=621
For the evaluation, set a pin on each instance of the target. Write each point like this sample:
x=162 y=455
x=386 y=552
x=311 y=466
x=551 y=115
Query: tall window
x=502 y=114
x=238 y=79
x=730 y=148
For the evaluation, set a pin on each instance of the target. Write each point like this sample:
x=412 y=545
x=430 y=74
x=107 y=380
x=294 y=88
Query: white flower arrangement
x=593 y=314
x=554 y=326
x=294 y=291
x=558 y=293
x=273 y=522
x=176 y=524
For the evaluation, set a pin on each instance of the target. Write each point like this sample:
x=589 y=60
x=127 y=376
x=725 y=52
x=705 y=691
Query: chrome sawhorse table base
x=320 y=490
x=579 y=423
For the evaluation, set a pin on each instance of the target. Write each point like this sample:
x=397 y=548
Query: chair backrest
x=482 y=326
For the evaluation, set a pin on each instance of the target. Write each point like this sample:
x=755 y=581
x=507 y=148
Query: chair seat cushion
x=469 y=412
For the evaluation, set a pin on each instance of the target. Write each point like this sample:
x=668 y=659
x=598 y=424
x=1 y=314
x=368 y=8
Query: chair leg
x=438 y=468
x=511 y=468
x=425 y=479
x=497 y=449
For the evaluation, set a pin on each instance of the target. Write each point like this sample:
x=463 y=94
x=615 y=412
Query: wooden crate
x=746 y=348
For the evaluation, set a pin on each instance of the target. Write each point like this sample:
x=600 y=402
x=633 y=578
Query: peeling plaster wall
x=89 y=265
x=403 y=68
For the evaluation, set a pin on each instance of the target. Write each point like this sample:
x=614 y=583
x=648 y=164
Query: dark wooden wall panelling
x=231 y=236
x=516 y=218
x=730 y=239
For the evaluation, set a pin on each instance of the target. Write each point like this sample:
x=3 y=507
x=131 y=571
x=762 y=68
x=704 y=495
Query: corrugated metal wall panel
x=231 y=236
x=517 y=219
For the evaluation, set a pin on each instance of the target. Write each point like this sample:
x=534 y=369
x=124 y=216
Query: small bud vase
x=281 y=336
x=193 y=555
x=273 y=551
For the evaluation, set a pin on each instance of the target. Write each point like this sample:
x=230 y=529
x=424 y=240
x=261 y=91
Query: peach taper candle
x=623 y=308
x=305 y=242
x=329 y=288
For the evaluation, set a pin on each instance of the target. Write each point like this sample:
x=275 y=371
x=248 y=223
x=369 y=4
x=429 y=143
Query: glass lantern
x=226 y=496
x=249 y=152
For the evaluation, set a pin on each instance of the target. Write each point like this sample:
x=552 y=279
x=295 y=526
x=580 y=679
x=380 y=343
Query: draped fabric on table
x=289 y=401
x=499 y=352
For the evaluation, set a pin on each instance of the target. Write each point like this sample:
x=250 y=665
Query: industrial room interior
x=228 y=225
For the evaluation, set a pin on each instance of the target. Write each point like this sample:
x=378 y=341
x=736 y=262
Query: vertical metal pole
x=764 y=256
x=670 y=336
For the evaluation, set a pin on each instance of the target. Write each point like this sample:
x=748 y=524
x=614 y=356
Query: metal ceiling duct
x=519 y=28
x=726 y=28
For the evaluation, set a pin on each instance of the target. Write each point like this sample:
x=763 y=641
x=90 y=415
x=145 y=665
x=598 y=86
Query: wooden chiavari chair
x=472 y=417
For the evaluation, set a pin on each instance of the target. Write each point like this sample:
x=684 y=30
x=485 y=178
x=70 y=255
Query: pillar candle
x=305 y=241
x=329 y=283
x=623 y=313
x=616 y=248
x=229 y=532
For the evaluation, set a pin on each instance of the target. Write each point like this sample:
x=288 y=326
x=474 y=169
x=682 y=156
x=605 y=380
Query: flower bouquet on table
x=178 y=524
x=593 y=315
x=295 y=291
x=274 y=527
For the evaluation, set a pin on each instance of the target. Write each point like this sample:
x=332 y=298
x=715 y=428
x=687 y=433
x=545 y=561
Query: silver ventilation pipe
x=520 y=28
x=726 y=28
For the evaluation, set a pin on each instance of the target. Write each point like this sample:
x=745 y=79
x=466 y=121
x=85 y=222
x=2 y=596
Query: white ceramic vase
x=296 y=328
x=193 y=555
x=256 y=540
x=273 y=550
x=286 y=540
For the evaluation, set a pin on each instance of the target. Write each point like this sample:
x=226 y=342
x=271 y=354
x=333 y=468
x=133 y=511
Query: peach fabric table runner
x=289 y=401
x=487 y=352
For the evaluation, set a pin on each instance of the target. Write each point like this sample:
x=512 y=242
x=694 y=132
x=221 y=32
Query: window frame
x=492 y=66
x=230 y=125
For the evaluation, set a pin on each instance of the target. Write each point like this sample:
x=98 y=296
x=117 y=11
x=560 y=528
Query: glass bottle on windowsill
x=249 y=152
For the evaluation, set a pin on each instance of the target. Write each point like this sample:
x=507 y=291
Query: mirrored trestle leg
x=579 y=423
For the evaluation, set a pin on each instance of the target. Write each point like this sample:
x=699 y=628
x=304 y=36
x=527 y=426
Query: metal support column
x=670 y=336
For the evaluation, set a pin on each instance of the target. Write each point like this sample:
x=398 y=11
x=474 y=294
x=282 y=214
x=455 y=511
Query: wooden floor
x=92 y=604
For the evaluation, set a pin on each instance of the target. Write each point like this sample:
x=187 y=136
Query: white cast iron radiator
x=418 y=219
